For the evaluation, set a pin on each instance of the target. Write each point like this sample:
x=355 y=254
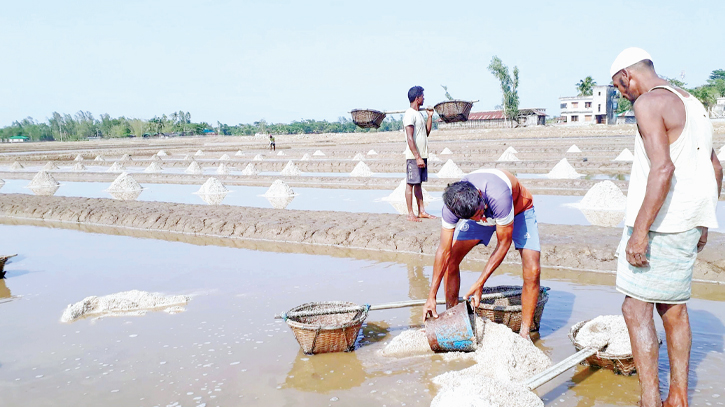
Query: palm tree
x=586 y=86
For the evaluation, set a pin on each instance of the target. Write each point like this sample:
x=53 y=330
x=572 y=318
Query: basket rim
x=453 y=101
x=366 y=110
x=543 y=298
x=354 y=322
x=602 y=355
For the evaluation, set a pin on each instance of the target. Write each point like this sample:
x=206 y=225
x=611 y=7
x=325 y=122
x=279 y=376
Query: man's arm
x=440 y=265
x=651 y=126
x=504 y=237
x=429 y=123
x=409 y=131
x=718 y=171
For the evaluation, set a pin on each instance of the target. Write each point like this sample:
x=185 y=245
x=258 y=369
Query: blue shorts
x=525 y=236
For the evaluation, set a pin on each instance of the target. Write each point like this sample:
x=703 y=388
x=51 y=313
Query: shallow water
x=226 y=349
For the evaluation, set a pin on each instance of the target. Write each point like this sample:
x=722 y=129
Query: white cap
x=627 y=58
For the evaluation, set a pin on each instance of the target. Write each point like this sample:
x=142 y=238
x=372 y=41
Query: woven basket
x=335 y=332
x=367 y=119
x=507 y=309
x=453 y=110
x=3 y=259
x=620 y=364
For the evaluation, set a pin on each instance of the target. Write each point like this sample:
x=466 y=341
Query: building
x=19 y=139
x=626 y=117
x=599 y=108
x=718 y=111
x=496 y=119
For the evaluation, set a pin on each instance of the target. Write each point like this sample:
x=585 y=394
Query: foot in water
x=411 y=217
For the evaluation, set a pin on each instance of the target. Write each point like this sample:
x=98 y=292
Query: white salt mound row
x=116 y=167
x=608 y=330
x=279 y=189
x=450 y=170
x=290 y=169
x=126 y=157
x=281 y=153
x=50 y=165
x=563 y=170
x=153 y=168
x=124 y=183
x=604 y=196
x=433 y=158
x=372 y=152
x=361 y=170
x=225 y=157
x=306 y=157
x=318 y=153
x=162 y=153
x=199 y=152
x=78 y=158
x=358 y=157
x=223 y=169
x=212 y=186
x=156 y=158
x=79 y=167
x=573 y=149
x=193 y=168
x=132 y=302
x=625 y=155
x=508 y=156
x=258 y=157
x=250 y=170
x=43 y=179
x=398 y=194
x=16 y=166
x=446 y=151
x=99 y=158
x=239 y=153
x=511 y=149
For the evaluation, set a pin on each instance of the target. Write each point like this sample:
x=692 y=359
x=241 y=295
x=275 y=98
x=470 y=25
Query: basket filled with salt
x=502 y=304
x=323 y=327
x=367 y=118
x=452 y=111
x=617 y=356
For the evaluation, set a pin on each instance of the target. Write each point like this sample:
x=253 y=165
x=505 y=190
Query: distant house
x=626 y=117
x=718 y=111
x=496 y=119
x=19 y=139
x=599 y=108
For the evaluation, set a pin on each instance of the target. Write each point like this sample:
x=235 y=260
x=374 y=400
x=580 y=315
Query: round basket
x=367 y=118
x=453 y=110
x=332 y=332
x=620 y=364
x=506 y=309
x=3 y=259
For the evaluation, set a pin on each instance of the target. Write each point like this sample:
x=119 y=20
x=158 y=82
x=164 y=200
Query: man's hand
x=474 y=294
x=430 y=309
x=420 y=162
x=703 y=240
x=637 y=251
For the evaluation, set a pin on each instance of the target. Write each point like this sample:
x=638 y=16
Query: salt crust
x=279 y=189
x=508 y=156
x=50 y=165
x=433 y=158
x=608 y=330
x=79 y=166
x=625 y=155
x=132 y=302
x=162 y=153
x=223 y=169
x=154 y=167
x=306 y=157
x=193 y=168
x=258 y=157
x=446 y=151
x=16 y=166
x=78 y=158
x=225 y=157
x=604 y=196
x=290 y=169
x=563 y=170
x=124 y=183
x=126 y=157
x=116 y=167
x=361 y=170
x=212 y=186
x=99 y=158
x=398 y=195
x=43 y=179
x=450 y=170
x=239 y=153
x=250 y=170
x=372 y=152
x=318 y=153
x=359 y=157
x=511 y=149
x=281 y=153
x=199 y=152
x=573 y=149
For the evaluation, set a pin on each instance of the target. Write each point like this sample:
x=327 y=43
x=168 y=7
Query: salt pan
x=124 y=183
x=450 y=170
x=43 y=179
x=573 y=149
x=604 y=196
x=625 y=155
x=446 y=151
x=372 y=152
x=153 y=168
x=132 y=302
x=116 y=167
x=610 y=330
x=279 y=188
x=318 y=153
x=250 y=170
x=508 y=156
x=290 y=169
x=193 y=168
x=212 y=186
x=78 y=158
x=361 y=170
x=563 y=170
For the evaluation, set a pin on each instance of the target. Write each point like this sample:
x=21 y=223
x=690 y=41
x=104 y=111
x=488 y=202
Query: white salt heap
x=563 y=170
x=450 y=170
x=306 y=157
x=446 y=151
x=161 y=153
x=79 y=167
x=116 y=167
x=508 y=156
x=78 y=158
x=153 y=168
x=361 y=170
x=16 y=166
x=608 y=330
x=225 y=157
x=511 y=149
x=573 y=149
x=239 y=153
x=50 y=165
x=281 y=153
x=124 y=183
x=99 y=158
x=372 y=152
x=290 y=169
x=318 y=153
x=199 y=153
x=279 y=189
x=358 y=157
x=398 y=194
x=223 y=169
x=188 y=157
x=156 y=158
x=433 y=158
x=250 y=170
x=43 y=179
x=126 y=157
x=625 y=155
x=258 y=157
x=132 y=302
x=604 y=196
x=212 y=186
x=193 y=168
x=482 y=391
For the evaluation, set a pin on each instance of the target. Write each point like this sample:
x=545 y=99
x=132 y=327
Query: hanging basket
x=452 y=111
x=336 y=331
x=507 y=308
x=367 y=118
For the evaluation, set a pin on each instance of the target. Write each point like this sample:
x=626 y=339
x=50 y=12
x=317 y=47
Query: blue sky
x=241 y=61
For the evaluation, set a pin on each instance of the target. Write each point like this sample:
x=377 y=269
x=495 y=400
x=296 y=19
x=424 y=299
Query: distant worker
x=484 y=202
x=272 y=145
x=673 y=192
x=416 y=152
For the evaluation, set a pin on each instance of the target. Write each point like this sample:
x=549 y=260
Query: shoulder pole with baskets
x=449 y=111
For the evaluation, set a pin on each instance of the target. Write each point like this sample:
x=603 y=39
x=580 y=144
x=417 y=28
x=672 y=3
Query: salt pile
x=16 y=166
x=153 y=168
x=78 y=158
x=604 y=196
x=398 y=194
x=450 y=170
x=563 y=170
x=223 y=169
x=372 y=152
x=199 y=153
x=126 y=157
x=306 y=157
x=482 y=391
x=50 y=165
x=433 y=158
x=411 y=342
x=257 y=157
x=161 y=153
x=116 y=167
x=281 y=153
x=511 y=149
x=44 y=191
x=318 y=153
x=125 y=196
x=446 y=151
x=508 y=156
x=225 y=157
x=79 y=167
x=250 y=170
x=290 y=169
x=279 y=188
x=280 y=202
x=361 y=170
x=573 y=149
x=608 y=330
x=603 y=218
x=124 y=183
x=193 y=168
x=212 y=186
x=132 y=302
x=156 y=158
x=188 y=157
x=239 y=153
x=99 y=158
x=359 y=157
x=43 y=180
x=625 y=155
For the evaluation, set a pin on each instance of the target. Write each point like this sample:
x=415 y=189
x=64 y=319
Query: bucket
x=453 y=331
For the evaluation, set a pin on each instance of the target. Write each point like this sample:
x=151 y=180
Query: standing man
x=484 y=202
x=416 y=152
x=272 y=145
x=673 y=191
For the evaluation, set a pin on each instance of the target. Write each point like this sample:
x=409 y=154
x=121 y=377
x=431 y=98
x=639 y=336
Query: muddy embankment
x=563 y=246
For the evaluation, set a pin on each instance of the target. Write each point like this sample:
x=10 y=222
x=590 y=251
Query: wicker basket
x=3 y=259
x=453 y=110
x=620 y=364
x=367 y=118
x=507 y=309
x=334 y=332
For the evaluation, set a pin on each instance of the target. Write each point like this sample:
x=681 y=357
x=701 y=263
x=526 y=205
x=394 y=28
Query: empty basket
x=620 y=364
x=367 y=118
x=454 y=110
x=507 y=308
x=332 y=332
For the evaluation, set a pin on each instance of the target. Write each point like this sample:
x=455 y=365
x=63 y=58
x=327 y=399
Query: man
x=416 y=152
x=272 y=145
x=484 y=202
x=673 y=191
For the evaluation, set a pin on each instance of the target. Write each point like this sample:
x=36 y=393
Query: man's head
x=463 y=199
x=416 y=92
x=629 y=71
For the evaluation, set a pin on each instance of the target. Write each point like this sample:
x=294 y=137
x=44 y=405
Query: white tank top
x=692 y=198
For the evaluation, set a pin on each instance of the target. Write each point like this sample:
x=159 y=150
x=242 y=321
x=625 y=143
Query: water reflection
x=4 y=290
x=280 y=202
x=603 y=218
x=125 y=195
x=44 y=191
x=325 y=372
x=418 y=287
x=212 y=199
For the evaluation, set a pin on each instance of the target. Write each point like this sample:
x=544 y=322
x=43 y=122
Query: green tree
x=717 y=74
x=585 y=87
x=138 y=126
x=509 y=87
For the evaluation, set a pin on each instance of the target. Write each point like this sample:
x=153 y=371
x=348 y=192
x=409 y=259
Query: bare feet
x=426 y=215
x=411 y=217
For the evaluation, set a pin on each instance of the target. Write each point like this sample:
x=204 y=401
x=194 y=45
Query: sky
x=241 y=61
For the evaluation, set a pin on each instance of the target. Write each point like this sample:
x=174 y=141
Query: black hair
x=414 y=92
x=462 y=198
